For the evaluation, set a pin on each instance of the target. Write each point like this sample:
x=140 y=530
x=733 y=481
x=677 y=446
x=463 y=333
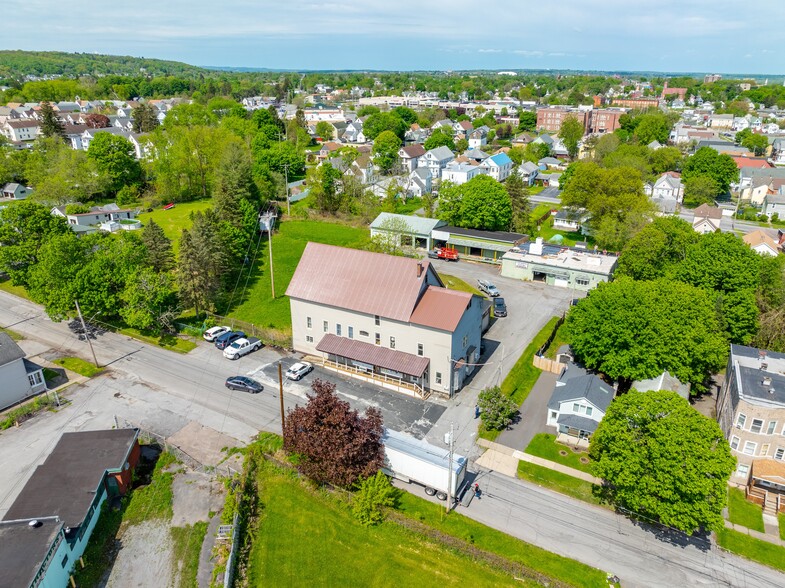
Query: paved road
x=602 y=539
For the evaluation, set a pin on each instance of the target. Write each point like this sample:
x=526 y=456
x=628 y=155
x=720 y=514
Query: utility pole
x=280 y=393
x=270 y=244
x=449 y=472
x=286 y=172
x=86 y=334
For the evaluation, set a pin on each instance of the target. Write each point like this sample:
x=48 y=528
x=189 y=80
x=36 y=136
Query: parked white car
x=242 y=347
x=213 y=333
x=298 y=370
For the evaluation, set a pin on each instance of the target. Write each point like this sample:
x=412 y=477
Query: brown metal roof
x=406 y=363
x=769 y=470
x=371 y=283
x=441 y=308
x=415 y=150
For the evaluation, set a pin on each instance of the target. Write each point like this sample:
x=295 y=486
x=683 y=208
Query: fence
x=548 y=365
x=230 y=563
x=268 y=336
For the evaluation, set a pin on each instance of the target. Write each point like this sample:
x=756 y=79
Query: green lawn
x=495 y=541
x=781 y=519
x=544 y=445
x=80 y=366
x=25 y=411
x=13 y=334
x=174 y=220
x=153 y=501
x=458 y=284
x=558 y=482
x=540 y=210
x=170 y=342
x=558 y=340
x=6 y=285
x=743 y=512
x=187 y=548
x=258 y=306
x=309 y=538
x=751 y=548
x=570 y=238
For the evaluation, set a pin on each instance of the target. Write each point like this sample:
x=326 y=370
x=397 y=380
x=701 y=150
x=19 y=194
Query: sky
x=611 y=35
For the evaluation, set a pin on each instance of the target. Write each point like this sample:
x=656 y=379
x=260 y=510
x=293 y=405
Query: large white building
x=385 y=319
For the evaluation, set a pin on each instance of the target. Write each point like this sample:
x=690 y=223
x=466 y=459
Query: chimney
x=536 y=247
x=419 y=269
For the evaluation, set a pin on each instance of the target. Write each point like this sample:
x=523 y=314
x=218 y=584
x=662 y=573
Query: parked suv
x=499 y=307
x=488 y=288
x=227 y=339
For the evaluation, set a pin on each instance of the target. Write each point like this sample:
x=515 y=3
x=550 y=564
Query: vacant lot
x=174 y=220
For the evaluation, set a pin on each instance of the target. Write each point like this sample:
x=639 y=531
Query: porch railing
x=381 y=379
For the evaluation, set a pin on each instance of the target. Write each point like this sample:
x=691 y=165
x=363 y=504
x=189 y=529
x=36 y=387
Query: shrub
x=497 y=410
x=374 y=494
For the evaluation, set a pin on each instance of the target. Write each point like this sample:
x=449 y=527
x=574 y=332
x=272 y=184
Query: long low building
x=384 y=319
x=558 y=266
x=480 y=245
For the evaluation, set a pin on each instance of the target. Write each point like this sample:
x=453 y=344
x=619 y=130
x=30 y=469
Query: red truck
x=444 y=253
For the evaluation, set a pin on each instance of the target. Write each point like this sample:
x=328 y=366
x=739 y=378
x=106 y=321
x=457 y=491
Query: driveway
x=533 y=415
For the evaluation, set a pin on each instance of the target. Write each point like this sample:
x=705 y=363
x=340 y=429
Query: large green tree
x=571 y=132
x=700 y=190
x=663 y=460
x=149 y=301
x=144 y=118
x=379 y=122
x=708 y=162
x=385 y=150
x=481 y=203
x=758 y=144
x=325 y=130
x=201 y=263
x=324 y=182
x=51 y=125
x=657 y=249
x=439 y=138
x=519 y=199
x=61 y=175
x=634 y=330
x=159 y=255
x=720 y=262
x=652 y=126
x=114 y=156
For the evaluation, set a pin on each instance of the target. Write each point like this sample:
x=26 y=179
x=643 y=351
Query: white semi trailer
x=413 y=460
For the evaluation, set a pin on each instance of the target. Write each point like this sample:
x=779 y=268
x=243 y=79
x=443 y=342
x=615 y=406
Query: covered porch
x=575 y=430
x=766 y=485
x=388 y=368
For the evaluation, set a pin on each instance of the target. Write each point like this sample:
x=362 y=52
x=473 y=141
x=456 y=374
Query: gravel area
x=145 y=558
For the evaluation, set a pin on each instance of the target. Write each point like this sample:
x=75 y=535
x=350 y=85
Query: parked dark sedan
x=227 y=339
x=244 y=384
x=499 y=307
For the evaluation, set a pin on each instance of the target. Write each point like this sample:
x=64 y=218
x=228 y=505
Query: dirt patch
x=194 y=496
x=145 y=557
x=202 y=443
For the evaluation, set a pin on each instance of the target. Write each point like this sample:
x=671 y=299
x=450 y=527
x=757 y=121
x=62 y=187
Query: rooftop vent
x=767 y=381
x=764 y=366
x=35 y=523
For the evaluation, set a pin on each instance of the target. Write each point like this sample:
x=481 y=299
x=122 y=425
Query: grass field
x=80 y=366
x=309 y=538
x=751 y=548
x=743 y=512
x=6 y=285
x=458 y=284
x=570 y=238
x=257 y=305
x=13 y=334
x=153 y=501
x=558 y=340
x=544 y=445
x=558 y=482
x=174 y=220
x=187 y=548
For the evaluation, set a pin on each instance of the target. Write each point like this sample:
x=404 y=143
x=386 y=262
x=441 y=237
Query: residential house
x=774 y=204
x=721 y=121
x=15 y=191
x=668 y=186
x=498 y=166
x=363 y=169
x=45 y=531
x=751 y=414
x=570 y=219
x=328 y=149
x=551 y=163
x=436 y=160
x=664 y=381
x=97 y=215
x=577 y=406
x=460 y=173
x=528 y=172
x=445 y=124
x=762 y=243
x=354 y=132
x=778 y=151
x=462 y=129
x=385 y=319
x=21 y=130
x=478 y=137
x=410 y=156
x=706 y=219
x=420 y=182
x=418 y=229
x=21 y=378
x=475 y=156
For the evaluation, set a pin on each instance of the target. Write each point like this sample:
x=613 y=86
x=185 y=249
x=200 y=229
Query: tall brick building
x=637 y=103
x=598 y=120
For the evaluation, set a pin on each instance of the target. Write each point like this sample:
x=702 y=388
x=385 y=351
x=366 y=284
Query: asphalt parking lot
x=400 y=412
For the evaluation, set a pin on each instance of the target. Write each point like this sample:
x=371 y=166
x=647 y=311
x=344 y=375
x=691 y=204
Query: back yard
x=174 y=220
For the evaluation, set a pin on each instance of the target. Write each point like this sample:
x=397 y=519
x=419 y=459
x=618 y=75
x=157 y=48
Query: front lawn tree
x=114 y=156
x=519 y=198
x=332 y=442
x=497 y=411
x=663 y=460
x=325 y=130
x=700 y=190
x=51 y=125
x=571 y=132
x=385 y=150
x=708 y=162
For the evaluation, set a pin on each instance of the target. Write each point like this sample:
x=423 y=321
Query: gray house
x=16 y=191
x=577 y=406
x=20 y=378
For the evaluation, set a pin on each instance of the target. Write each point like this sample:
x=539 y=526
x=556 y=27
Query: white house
x=436 y=160
x=21 y=378
x=97 y=215
x=668 y=186
x=578 y=405
x=774 y=204
x=706 y=219
x=460 y=173
x=410 y=156
x=528 y=172
x=420 y=182
x=478 y=137
x=570 y=218
x=762 y=243
x=498 y=166
x=385 y=319
x=21 y=130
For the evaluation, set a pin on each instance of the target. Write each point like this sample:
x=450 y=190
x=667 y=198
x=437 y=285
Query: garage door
x=561 y=282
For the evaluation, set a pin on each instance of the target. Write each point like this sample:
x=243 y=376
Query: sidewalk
x=773 y=537
x=205 y=572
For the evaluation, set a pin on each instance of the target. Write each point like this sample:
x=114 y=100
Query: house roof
x=9 y=350
x=501 y=159
x=413 y=151
x=74 y=469
x=666 y=179
x=577 y=422
x=477 y=154
x=23 y=549
x=588 y=387
x=441 y=153
x=529 y=167
x=706 y=211
x=466 y=125
x=418 y=224
x=759 y=237
x=754 y=162
x=371 y=283
x=440 y=308
x=391 y=359
x=769 y=470
x=501 y=236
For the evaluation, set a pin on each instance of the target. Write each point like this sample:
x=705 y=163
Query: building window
x=576 y=407
x=581 y=281
x=376 y=320
x=326 y=326
x=419 y=349
x=756 y=426
x=351 y=332
x=338 y=329
x=392 y=342
x=64 y=563
x=364 y=334
x=554 y=414
x=465 y=341
x=772 y=427
x=764 y=449
x=308 y=339
x=743 y=470
x=438 y=377
x=779 y=454
x=378 y=338
x=34 y=378
x=589 y=410
x=308 y=322
x=734 y=442
x=749 y=448
x=741 y=420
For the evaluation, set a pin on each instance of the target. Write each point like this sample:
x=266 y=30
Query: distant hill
x=17 y=64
